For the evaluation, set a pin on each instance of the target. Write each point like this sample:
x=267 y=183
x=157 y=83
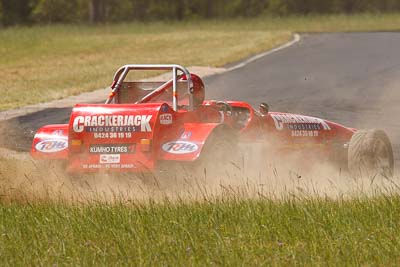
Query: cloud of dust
x=277 y=176
x=376 y=106
x=25 y=179
x=257 y=176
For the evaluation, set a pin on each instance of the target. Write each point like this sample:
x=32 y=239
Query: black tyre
x=370 y=154
x=220 y=155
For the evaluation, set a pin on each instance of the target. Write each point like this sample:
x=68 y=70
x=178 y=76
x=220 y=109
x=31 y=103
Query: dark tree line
x=14 y=12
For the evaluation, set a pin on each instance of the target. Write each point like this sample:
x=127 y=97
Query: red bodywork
x=136 y=137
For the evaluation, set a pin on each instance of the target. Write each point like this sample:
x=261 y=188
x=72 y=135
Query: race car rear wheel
x=218 y=158
x=220 y=155
x=370 y=154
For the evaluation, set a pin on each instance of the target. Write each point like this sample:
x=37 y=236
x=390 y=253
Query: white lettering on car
x=305 y=133
x=114 y=123
x=108 y=166
x=166 y=119
x=112 y=148
x=299 y=122
x=78 y=124
x=186 y=135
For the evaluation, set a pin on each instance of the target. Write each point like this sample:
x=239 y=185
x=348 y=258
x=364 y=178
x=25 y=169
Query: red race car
x=148 y=126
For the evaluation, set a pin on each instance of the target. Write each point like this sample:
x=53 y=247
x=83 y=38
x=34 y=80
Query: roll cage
x=123 y=71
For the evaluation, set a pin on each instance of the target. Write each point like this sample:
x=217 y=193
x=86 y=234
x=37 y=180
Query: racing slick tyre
x=370 y=154
x=219 y=157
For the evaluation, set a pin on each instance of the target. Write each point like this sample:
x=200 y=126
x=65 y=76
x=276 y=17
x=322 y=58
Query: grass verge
x=231 y=232
x=39 y=64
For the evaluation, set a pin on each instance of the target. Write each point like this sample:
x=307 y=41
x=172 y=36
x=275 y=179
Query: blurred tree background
x=14 y=12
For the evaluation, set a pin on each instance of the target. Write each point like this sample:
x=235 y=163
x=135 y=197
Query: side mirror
x=264 y=108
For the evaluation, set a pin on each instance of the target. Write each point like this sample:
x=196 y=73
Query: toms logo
x=51 y=146
x=166 y=119
x=180 y=147
x=110 y=158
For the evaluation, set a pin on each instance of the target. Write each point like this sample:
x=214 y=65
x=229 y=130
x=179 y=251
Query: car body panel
x=137 y=137
x=51 y=142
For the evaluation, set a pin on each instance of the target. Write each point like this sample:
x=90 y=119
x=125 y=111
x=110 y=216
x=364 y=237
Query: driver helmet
x=198 y=89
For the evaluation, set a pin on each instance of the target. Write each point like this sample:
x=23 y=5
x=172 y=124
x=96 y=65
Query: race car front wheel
x=370 y=154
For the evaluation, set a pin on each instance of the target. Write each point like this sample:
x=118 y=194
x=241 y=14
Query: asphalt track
x=349 y=78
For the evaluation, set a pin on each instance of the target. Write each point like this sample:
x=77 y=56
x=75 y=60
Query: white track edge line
x=296 y=39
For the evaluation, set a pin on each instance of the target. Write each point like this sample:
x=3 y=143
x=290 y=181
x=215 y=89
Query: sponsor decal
x=108 y=166
x=51 y=145
x=112 y=123
x=180 y=147
x=112 y=135
x=299 y=123
x=166 y=119
x=110 y=158
x=58 y=133
x=112 y=149
x=186 y=135
x=305 y=133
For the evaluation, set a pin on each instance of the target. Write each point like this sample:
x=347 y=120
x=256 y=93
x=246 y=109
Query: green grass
x=41 y=64
x=229 y=232
x=38 y=64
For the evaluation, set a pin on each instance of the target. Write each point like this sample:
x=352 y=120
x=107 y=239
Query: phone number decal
x=112 y=135
x=305 y=133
